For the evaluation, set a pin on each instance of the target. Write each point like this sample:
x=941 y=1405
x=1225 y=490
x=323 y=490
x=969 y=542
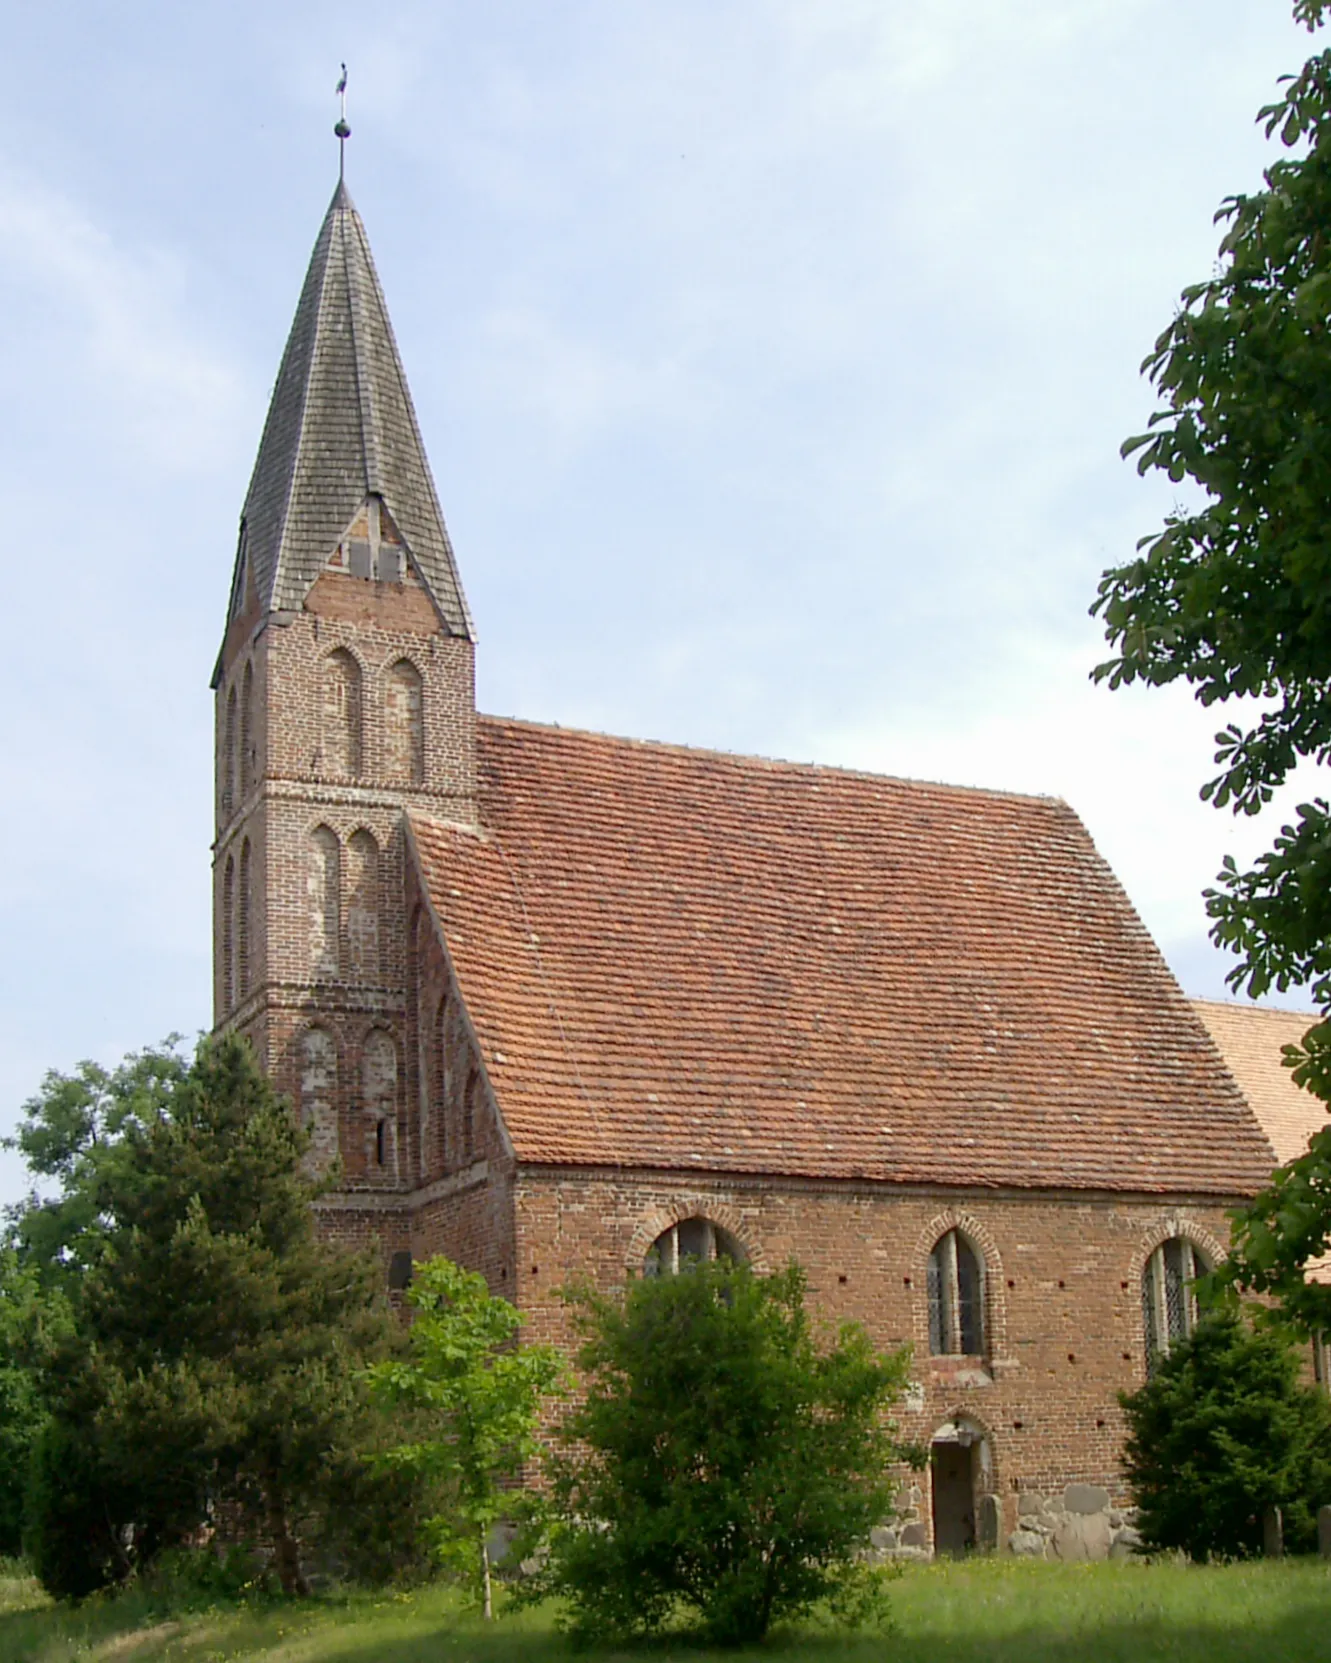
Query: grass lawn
x=983 y=1611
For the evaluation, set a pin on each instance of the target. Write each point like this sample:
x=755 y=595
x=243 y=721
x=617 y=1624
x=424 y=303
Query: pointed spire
x=340 y=428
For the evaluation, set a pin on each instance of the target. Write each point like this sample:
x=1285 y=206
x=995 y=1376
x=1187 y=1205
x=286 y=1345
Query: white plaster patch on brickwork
x=318 y=1096
x=404 y=729
x=364 y=904
x=324 y=891
x=379 y=1072
x=342 y=715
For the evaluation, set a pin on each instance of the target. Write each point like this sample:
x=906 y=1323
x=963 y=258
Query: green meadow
x=978 y=1611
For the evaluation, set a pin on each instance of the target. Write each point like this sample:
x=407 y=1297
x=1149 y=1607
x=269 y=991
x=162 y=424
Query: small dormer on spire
x=341 y=444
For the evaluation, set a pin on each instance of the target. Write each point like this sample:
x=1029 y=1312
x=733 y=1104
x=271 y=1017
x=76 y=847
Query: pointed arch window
x=1169 y=1304
x=363 y=907
x=690 y=1241
x=244 y=901
x=342 y=715
x=440 y=1072
x=379 y=1094
x=956 y=1298
x=404 y=729
x=247 y=752
x=229 y=756
x=324 y=889
x=468 y=1139
x=227 y=931
x=318 y=1095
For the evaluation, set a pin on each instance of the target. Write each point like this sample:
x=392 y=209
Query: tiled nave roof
x=1252 y=1039
x=678 y=958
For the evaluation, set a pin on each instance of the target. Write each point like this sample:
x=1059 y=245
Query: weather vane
x=341 y=129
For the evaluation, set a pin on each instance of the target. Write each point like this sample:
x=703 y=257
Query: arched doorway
x=958 y=1476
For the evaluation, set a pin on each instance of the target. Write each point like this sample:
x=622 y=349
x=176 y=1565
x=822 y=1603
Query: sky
x=773 y=359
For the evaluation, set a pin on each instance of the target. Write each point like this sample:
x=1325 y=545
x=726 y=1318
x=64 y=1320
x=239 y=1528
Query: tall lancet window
x=363 y=890
x=956 y=1298
x=404 y=725
x=1169 y=1303
x=243 y=921
x=318 y=1096
x=247 y=757
x=226 y=928
x=324 y=888
x=342 y=715
x=229 y=756
x=379 y=1092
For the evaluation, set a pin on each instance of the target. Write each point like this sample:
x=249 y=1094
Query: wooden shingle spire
x=341 y=428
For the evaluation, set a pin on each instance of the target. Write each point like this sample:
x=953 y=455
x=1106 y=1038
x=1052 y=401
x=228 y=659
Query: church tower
x=345 y=695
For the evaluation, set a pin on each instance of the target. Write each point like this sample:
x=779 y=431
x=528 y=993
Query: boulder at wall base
x=1026 y=1544
x=1082 y=1536
x=1085 y=1498
x=1126 y=1542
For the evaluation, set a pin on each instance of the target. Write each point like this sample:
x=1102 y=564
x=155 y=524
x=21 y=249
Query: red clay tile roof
x=1251 y=1039
x=690 y=960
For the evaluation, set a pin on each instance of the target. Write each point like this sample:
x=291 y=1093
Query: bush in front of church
x=727 y=1462
x=1221 y=1433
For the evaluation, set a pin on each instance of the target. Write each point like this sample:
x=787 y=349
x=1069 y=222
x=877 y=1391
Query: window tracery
x=1169 y=1304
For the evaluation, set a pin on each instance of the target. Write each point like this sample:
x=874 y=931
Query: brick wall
x=1062 y=1277
x=325 y=1001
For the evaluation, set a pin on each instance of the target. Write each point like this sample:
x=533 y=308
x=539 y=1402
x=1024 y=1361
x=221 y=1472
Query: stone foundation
x=1077 y=1523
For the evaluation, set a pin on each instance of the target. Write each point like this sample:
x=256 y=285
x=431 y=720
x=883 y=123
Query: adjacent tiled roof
x=340 y=426
x=682 y=959
x=1250 y=1038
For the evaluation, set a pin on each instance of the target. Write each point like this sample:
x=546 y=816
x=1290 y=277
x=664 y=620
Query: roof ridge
x=774 y=762
x=1256 y=1009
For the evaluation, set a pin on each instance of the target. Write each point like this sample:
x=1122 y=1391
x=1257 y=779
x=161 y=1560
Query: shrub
x=1222 y=1432
x=723 y=1464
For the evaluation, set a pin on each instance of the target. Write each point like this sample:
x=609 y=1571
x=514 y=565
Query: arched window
x=404 y=730
x=324 y=887
x=247 y=758
x=956 y=1298
x=227 y=930
x=469 y=1116
x=243 y=902
x=363 y=907
x=229 y=756
x=440 y=1080
x=458 y=1084
x=342 y=715
x=691 y=1241
x=1169 y=1305
x=379 y=1094
x=318 y=1095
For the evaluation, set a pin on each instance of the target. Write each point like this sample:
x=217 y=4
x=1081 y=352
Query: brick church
x=559 y=1002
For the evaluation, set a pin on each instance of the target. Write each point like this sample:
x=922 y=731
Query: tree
x=216 y=1348
x=723 y=1461
x=1222 y=1432
x=481 y=1392
x=23 y=1316
x=1233 y=595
